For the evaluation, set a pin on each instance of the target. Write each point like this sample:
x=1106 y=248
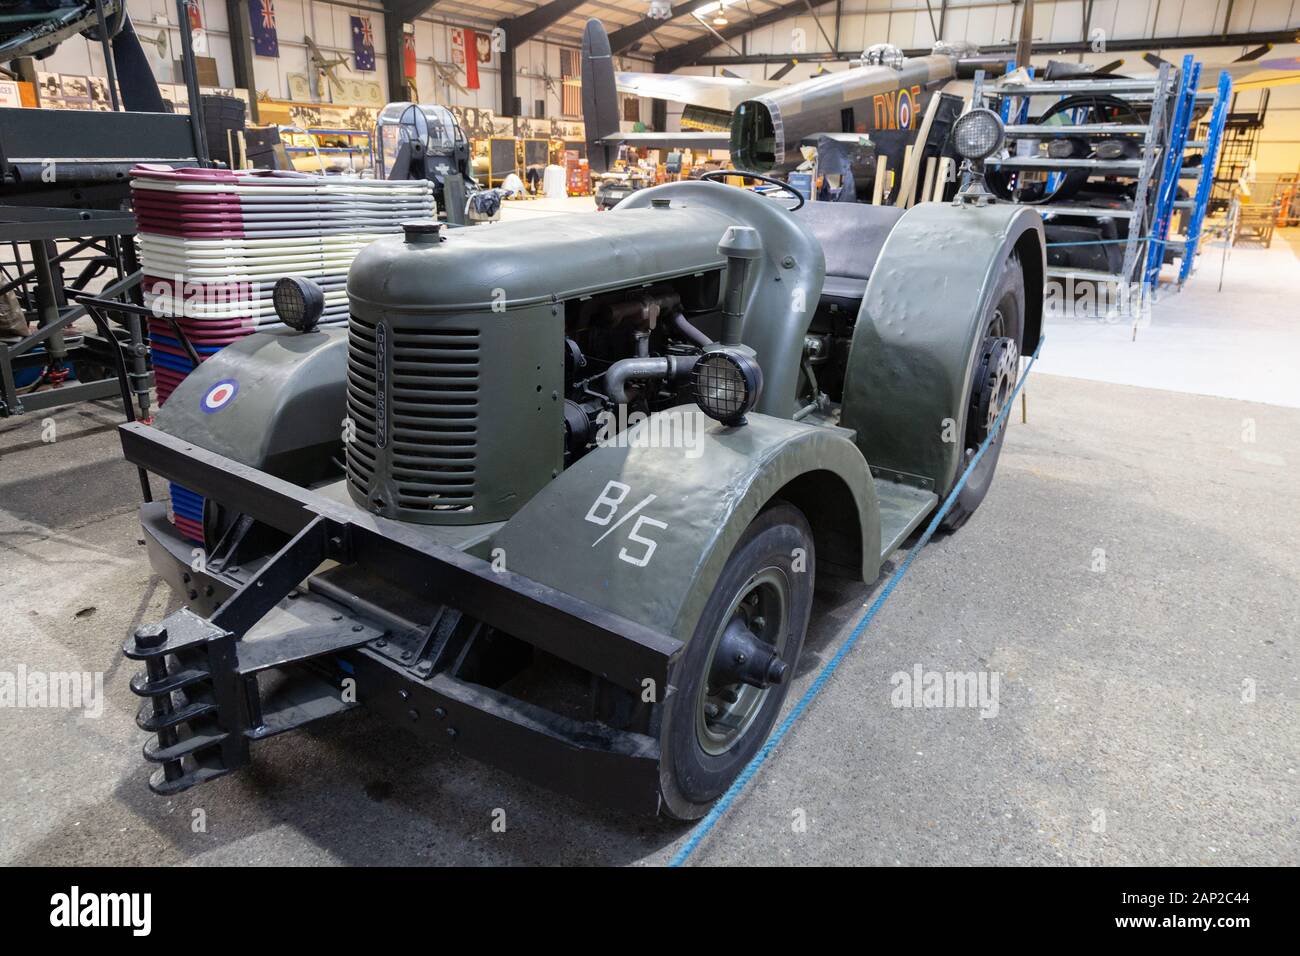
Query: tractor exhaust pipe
x=741 y=246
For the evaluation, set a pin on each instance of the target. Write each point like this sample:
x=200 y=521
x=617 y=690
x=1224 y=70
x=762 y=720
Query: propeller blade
x=1110 y=67
x=786 y=67
x=1254 y=54
x=1153 y=60
x=734 y=76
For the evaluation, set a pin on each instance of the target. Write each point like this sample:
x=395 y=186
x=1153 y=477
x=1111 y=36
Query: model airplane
x=322 y=66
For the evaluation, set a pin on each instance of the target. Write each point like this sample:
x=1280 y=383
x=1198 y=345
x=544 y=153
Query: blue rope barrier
x=756 y=762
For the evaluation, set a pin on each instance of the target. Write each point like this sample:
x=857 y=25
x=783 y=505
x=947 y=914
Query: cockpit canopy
x=430 y=124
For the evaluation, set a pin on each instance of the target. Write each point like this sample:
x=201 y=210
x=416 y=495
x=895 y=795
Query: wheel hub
x=744 y=662
x=995 y=381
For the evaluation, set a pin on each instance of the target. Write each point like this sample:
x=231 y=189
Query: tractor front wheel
x=736 y=670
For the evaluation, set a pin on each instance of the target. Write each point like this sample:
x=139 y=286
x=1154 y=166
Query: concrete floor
x=1238 y=341
x=1121 y=689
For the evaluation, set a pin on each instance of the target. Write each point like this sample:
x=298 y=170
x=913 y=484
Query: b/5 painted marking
x=606 y=506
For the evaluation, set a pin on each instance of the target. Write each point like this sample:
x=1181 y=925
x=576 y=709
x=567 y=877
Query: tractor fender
x=272 y=400
x=645 y=531
x=908 y=377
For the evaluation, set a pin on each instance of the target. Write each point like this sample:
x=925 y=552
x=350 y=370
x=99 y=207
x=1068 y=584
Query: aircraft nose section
x=757 y=143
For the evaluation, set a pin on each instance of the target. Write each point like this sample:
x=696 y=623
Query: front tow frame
x=275 y=655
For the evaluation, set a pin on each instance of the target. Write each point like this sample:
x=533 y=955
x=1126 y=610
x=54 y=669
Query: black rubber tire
x=691 y=779
x=1006 y=317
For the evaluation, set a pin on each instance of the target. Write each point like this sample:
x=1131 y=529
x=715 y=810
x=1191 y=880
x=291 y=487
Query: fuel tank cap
x=423 y=231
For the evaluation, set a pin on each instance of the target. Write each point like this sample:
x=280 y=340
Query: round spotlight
x=1060 y=148
x=1111 y=149
x=726 y=385
x=978 y=134
x=298 y=302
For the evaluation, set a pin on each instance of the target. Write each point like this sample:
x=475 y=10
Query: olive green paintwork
x=512 y=413
x=496 y=268
x=696 y=503
x=685 y=507
x=287 y=416
x=921 y=319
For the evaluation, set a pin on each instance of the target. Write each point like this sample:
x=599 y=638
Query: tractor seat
x=851 y=235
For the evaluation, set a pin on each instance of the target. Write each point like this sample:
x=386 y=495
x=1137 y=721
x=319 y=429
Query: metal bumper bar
x=595 y=639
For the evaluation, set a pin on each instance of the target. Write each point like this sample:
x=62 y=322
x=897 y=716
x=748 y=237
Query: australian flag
x=363 y=44
x=261 y=16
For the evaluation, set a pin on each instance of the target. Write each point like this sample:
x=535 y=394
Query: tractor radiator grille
x=416 y=434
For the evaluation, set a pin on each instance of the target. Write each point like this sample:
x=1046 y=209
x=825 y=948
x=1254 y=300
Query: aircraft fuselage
x=766 y=131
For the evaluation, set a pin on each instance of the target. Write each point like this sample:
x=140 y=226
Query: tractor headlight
x=726 y=384
x=298 y=302
x=977 y=134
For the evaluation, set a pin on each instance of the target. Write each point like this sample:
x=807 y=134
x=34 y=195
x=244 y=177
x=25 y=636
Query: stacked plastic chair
x=213 y=243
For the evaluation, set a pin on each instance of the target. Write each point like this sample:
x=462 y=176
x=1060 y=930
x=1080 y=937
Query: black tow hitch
x=203 y=701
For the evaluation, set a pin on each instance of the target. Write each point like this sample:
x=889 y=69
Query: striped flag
x=570 y=82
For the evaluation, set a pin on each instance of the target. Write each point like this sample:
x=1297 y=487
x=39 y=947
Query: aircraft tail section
x=599 y=94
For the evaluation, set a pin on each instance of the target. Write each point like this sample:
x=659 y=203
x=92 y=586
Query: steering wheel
x=716 y=174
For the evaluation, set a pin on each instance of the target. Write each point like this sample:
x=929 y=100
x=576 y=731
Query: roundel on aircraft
x=904 y=109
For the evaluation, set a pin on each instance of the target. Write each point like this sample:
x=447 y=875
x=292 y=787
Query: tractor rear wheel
x=736 y=670
x=995 y=368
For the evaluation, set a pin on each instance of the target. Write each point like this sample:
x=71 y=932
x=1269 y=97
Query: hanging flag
x=464 y=55
x=570 y=82
x=458 y=49
x=261 y=16
x=195 y=14
x=408 y=55
x=483 y=43
x=363 y=44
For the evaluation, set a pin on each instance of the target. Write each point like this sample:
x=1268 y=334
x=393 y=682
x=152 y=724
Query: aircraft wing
x=684 y=140
x=1257 y=74
x=844 y=139
x=722 y=93
x=1252 y=74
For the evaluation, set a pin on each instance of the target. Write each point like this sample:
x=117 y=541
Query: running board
x=902 y=509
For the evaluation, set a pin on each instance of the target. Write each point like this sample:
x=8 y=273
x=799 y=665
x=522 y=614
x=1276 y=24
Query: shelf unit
x=1171 y=173
x=1239 y=143
x=1158 y=90
x=1197 y=205
x=1171 y=131
x=360 y=157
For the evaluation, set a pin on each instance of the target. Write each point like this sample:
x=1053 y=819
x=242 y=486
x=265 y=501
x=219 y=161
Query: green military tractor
x=558 y=495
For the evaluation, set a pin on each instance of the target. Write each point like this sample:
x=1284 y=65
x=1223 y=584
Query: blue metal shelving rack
x=1158 y=172
x=1171 y=171
x=1205 y=182
x=1160 y=91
